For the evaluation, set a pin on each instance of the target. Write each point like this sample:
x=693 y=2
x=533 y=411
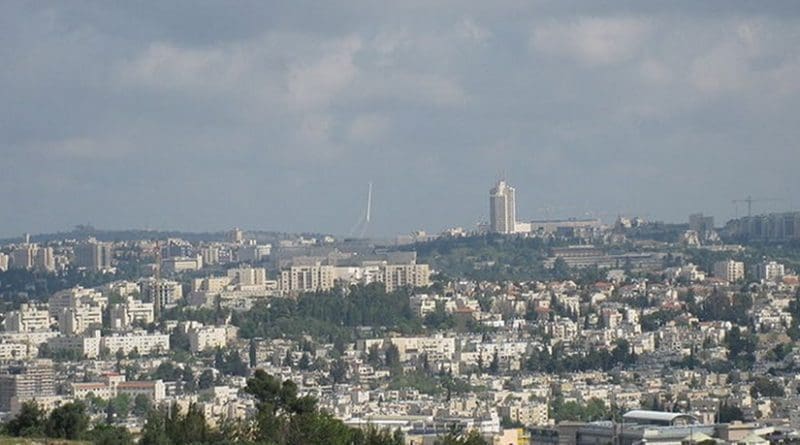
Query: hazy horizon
x=202 y=116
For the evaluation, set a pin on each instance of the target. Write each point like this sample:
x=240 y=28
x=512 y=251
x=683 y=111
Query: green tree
x=728 y=413
x=741 y=348
x=188 y=379
x=392 y=356
x=284 y=418
x=374 y=356
x=494 y=365
x=121 y=405
x=766 y=387
x=471 y=438
x=142 y=405
x=155 y=429
x=288 y=360
x=28 y=422
x=206 y=379
x=794 y=309
x=103 y=434
x=68 y=421
x=251 y=353
x=561 y=270
x=622 y=352
x=305 y=362
x=219 y=359
x=167 y=371
x=593 y=410
x=338 y=371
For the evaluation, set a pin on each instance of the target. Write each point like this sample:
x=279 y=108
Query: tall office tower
x=502 y=208
x=93 y=255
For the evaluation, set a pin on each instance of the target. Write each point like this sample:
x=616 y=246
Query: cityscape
x=180 y=177
x=558 y=331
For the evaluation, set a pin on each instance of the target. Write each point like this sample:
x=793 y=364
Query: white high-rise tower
x=502 y=208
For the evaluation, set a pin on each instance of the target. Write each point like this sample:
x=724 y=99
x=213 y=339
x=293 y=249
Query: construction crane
x=750 y=200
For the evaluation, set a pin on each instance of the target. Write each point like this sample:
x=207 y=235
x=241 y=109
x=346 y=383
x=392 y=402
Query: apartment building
x=437 y=348
x=44 y=259
x=730 y=271
x=771 y=271
x=20 y=383
x=395 y=276
x=164 y=293
x=23 y=256
x=14 y=351
x=28 y=318
x=73 y=298
x=202 y=338
x=78 y=319
x=125 y=315
x=91 y=346
x=307 y=278
x=93 y=255
x=248 y=276
x=140 y=341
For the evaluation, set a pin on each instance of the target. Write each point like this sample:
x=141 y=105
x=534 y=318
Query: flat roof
x=661 y=416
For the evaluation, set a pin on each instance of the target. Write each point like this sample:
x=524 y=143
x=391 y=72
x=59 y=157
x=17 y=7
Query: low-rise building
x=113 y=385
x=202 y=338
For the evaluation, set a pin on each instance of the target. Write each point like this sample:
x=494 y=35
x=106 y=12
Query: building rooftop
x=654 y=416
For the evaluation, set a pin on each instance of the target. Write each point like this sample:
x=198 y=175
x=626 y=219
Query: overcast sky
x=276 y=115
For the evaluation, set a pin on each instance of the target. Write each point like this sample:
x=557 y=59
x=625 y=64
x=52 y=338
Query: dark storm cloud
x=203 y=115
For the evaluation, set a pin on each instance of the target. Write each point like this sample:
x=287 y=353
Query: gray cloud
x=199 y=115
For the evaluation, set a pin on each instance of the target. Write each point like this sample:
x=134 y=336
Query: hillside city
x=568 y=332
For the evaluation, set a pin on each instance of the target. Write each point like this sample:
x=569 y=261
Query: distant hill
x=85 y=231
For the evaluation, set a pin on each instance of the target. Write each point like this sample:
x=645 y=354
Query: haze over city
x=365 y=222
x=276 y=115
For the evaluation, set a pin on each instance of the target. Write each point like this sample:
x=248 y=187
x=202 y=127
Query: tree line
x=283 y=417
x=330 y=315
